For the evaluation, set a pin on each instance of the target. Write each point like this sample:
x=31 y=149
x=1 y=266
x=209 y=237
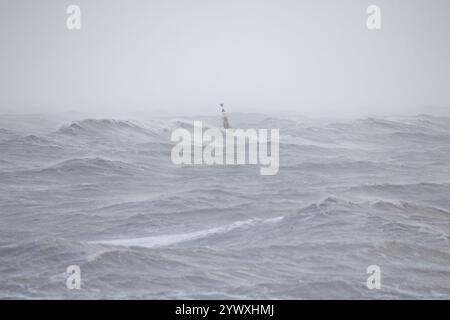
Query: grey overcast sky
x=153 y=57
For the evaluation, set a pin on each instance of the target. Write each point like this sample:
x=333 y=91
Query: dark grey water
x=104 y=195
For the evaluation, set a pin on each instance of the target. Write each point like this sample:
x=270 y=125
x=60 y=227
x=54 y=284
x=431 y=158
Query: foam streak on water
x=103 y=194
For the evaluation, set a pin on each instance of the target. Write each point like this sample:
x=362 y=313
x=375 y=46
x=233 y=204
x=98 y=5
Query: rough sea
x=104 y=194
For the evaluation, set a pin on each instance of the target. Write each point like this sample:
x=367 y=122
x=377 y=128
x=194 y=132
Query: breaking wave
x=104 y=194
x=166 y=240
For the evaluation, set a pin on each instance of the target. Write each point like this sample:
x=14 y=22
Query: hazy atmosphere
x=143 y=58
x=118 y=176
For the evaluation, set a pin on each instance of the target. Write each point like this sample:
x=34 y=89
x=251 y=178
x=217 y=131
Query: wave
x=431 y=122
x=339 y=134
x=344 y=167
x=171 y=239
x=90 y=166
x=7 y=135
x=334 y=201
x=378 y=130
x=109 y=129
x=372 y=124
x=96 y=125
x=25 y=148
x=30 y=141
x=347 y=196
x=407 y=187
x=420 y=137
x=385 y=205
x=39 y=247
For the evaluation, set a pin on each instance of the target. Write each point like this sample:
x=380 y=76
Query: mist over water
x=87 y=179
x=148 y=58
x=103 y=194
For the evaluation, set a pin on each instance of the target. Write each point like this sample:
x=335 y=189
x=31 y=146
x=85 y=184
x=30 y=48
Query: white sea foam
x=348 y=194
x=170 y=239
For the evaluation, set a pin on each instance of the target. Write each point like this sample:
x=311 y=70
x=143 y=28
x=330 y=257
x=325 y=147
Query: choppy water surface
x=103 y=194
